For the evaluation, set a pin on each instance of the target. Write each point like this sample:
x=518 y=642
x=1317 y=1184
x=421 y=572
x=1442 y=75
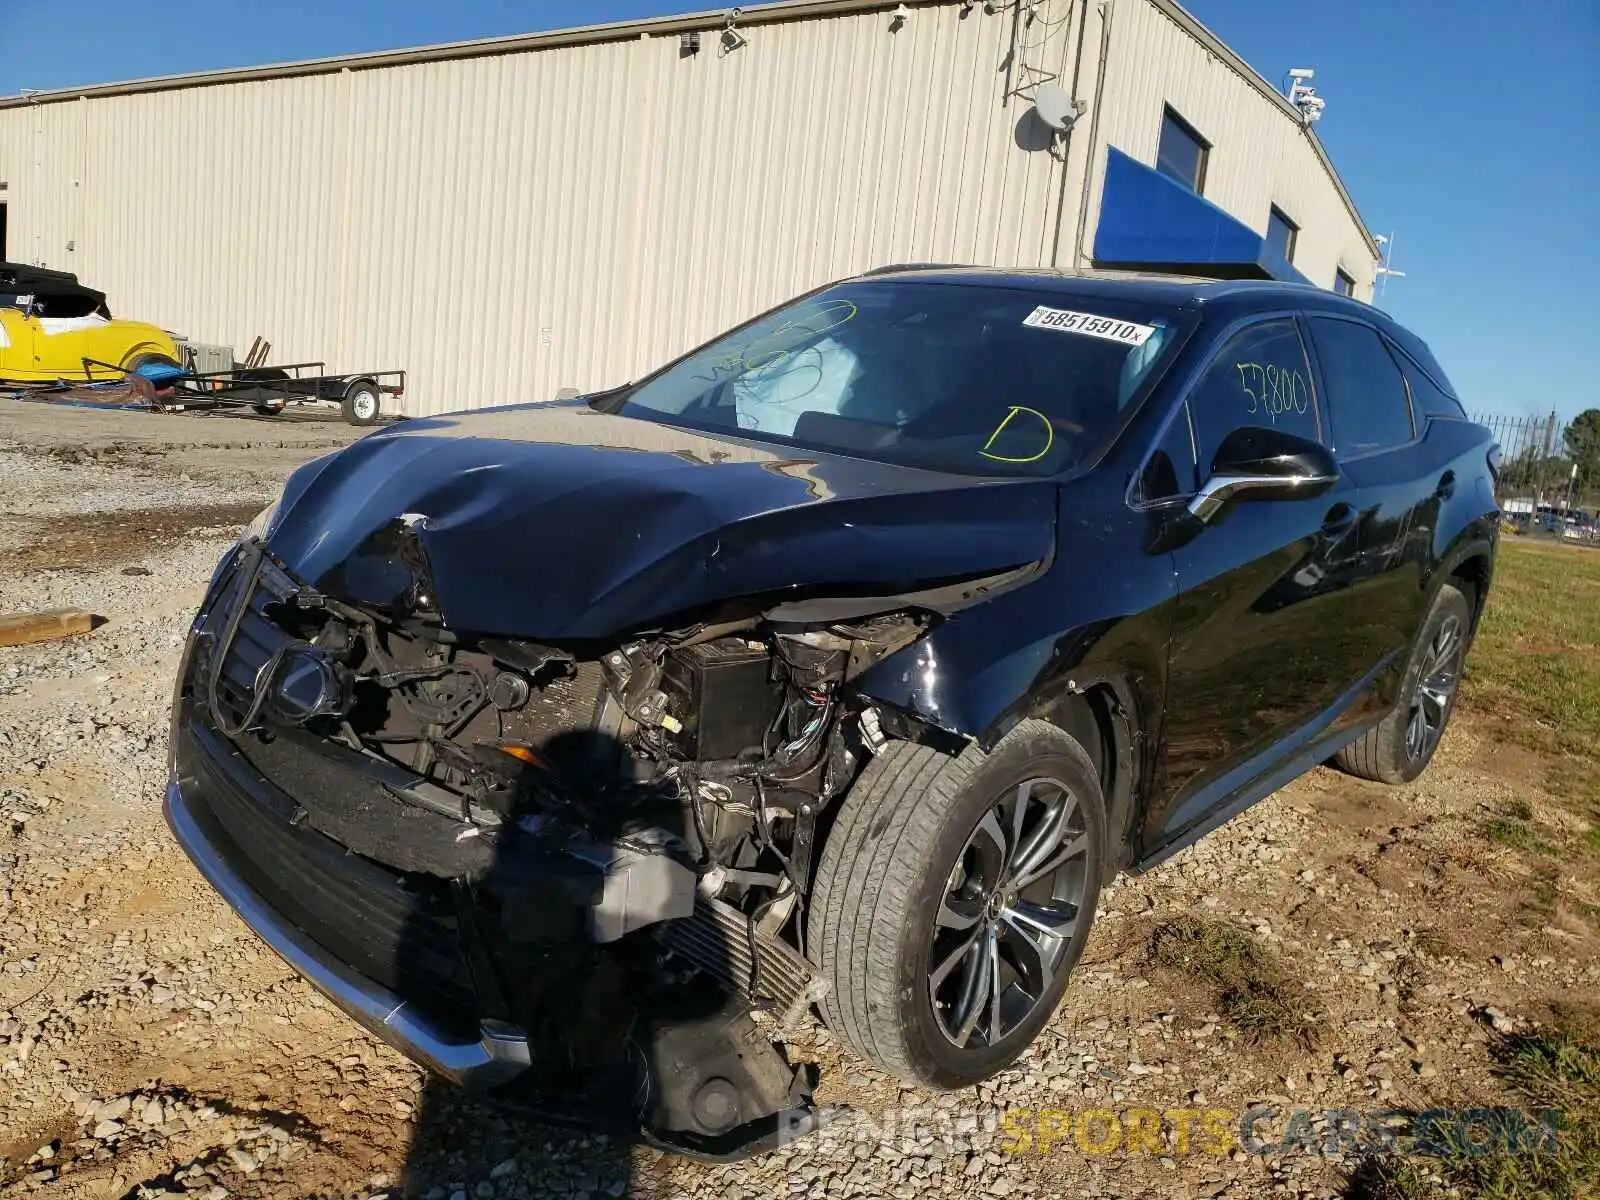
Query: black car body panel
x=578 y=586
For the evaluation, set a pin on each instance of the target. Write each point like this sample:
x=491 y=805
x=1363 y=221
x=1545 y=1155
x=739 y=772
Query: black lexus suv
x=577 y=748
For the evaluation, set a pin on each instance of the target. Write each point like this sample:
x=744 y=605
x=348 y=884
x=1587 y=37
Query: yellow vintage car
x=54 y=328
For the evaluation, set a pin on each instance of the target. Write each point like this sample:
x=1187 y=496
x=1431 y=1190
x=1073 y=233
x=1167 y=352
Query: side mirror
x=1256 y=463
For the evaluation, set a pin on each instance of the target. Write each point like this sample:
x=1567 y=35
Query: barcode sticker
x=1109 y=329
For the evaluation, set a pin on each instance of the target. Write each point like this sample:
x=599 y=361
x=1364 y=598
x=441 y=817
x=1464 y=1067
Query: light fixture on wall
x=732 y=39
x=688 y=44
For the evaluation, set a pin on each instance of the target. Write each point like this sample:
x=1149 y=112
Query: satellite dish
x=1055 y=107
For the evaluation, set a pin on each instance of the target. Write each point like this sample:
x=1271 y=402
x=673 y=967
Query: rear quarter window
x=1427 y=398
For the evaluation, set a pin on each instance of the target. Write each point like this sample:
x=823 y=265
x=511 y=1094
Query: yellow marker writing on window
x=1049 y=436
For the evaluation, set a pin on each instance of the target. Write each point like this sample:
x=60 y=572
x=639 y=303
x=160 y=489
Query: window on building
x=1368 y=408
x=1344 y=284
x=1182 y=152
x=1259 y=378
x=1281 y=233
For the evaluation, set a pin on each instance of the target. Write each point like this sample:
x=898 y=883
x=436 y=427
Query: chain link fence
x=1549 y=473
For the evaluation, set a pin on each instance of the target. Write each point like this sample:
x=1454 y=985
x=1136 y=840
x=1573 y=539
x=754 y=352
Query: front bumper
x=501 y=1052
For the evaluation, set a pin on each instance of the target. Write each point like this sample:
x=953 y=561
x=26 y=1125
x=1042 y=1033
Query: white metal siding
x=1259 y=156
x=506 y=225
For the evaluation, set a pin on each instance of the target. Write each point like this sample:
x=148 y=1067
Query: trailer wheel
x=362 y=404
x=272 y=375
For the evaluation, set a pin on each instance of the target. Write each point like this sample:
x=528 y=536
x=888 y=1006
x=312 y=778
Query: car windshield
x=978 y=380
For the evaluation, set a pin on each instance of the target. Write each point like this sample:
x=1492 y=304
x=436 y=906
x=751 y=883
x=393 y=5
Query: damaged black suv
x=577 y=748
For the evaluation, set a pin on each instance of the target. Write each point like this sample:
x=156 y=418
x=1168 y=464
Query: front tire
x=1400 y=747
x=953 y=898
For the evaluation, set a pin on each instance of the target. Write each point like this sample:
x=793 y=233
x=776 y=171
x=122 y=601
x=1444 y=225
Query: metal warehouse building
x=509 y=217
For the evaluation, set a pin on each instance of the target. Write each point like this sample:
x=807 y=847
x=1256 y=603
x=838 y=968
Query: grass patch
x=1518 y=835
x=1253 y=992
x=1548 y=1071
x=1536 y=660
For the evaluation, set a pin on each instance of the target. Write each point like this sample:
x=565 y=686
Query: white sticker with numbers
x=1129 y=333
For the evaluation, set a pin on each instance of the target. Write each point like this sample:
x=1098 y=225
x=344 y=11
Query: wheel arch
x=147 y=350
x=1098 y=711
x=1470 y=562
x=1099 y=716
x=1475 y=570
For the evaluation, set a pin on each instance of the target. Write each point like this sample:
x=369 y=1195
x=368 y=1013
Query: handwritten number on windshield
x=1005 y=423
x=1273 y=391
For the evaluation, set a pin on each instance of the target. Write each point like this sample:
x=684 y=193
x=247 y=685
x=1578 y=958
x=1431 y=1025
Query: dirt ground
x=149 y=1046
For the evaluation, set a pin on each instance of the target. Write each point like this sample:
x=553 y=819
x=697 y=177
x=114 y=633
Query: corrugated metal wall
x=1258 y=157
x=508 y=225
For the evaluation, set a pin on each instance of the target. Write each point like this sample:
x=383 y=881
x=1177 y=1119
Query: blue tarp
x=1148 y=220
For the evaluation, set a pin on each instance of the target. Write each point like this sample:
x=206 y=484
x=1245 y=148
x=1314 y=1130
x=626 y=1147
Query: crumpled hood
x=554 y=521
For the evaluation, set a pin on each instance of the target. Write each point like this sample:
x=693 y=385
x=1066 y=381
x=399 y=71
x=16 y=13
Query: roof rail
x=895 y=268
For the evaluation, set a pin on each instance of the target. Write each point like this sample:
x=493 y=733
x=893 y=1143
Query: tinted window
x=978 y=380
x=1426 y=396
x=1259 y=378
x=1170 y=469
x=1181 y=154
x=1367 y=405
x=1281 y=234
x=1344 y=284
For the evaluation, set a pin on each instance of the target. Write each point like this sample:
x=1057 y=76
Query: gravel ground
x=149 y=1046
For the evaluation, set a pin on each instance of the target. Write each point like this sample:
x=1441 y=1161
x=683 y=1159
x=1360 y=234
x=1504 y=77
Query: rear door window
x=1368 y=408
x=1261 y=378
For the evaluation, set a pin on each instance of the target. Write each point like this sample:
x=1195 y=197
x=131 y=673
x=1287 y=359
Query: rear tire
x=362 y=404
x=1400 y=747
x=912 y=880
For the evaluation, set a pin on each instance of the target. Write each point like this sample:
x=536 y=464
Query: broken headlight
x=265 y=522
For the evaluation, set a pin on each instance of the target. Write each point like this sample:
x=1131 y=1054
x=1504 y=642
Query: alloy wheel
x=1436 y=687
x=1010 y=909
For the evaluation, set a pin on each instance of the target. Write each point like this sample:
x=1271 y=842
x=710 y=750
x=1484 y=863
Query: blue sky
x=1468 y=129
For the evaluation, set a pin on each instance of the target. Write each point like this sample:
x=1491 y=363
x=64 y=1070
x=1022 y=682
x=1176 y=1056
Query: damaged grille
x=256 y=639
x=357 y=910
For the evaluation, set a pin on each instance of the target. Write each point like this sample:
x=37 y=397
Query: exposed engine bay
x=621 y=837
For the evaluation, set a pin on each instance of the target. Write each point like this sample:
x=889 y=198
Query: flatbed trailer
x=269 y=390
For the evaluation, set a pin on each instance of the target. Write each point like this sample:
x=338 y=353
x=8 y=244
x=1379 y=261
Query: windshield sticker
x=1109 y=329
x=1005 y=423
